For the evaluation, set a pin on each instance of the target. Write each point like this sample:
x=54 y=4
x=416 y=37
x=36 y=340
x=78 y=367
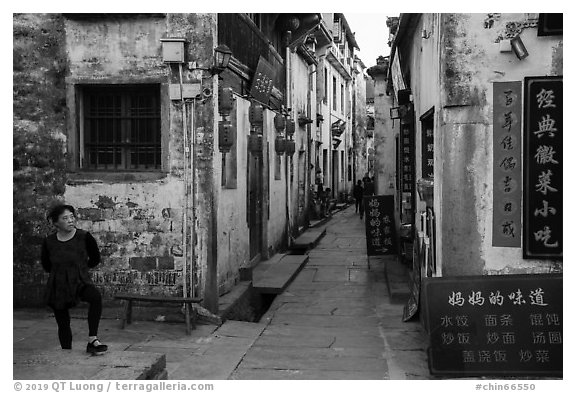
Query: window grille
x=122 y=128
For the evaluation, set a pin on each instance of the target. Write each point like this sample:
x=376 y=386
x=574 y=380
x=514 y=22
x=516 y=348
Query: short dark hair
x=57 y=210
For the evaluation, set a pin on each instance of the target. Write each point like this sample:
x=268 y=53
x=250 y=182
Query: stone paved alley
x=336 y=320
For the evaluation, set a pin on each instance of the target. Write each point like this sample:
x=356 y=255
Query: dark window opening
x=550 y=24
x=334 y=93
x=325 y=85
x=122 y=128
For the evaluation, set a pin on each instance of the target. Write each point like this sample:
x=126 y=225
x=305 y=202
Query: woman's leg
x=64 y=330
x=91 y=295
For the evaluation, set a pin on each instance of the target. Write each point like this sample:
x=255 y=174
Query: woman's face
x=66 y=221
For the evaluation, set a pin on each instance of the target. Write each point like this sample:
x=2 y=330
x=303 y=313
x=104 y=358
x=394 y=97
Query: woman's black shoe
x=96 y=347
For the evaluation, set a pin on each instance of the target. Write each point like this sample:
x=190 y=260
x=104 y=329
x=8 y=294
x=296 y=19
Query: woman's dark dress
x=68 y=263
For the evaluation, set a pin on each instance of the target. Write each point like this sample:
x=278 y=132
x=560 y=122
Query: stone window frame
x=75 y=149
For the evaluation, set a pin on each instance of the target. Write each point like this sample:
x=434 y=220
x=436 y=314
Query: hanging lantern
x=225 y=101
x=279 y=123
x=290 y=128
x=256 y=114
x=290 y=23
x=280 y=145
x=255 y=143
x=290 y=147
x=225 y=136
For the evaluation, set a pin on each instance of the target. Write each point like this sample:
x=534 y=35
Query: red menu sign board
x=543 y=162
x=495 y=325
x=507 y=171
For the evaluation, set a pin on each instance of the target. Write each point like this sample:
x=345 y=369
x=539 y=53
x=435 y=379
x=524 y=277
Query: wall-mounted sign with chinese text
x=407 y=156
x=380 y=230
x=495 y=325
x=507 y=170
x=543 y=155
x=428 y=146
x=263 y=81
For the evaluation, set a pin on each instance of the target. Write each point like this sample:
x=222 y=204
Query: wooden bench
x=186 y=301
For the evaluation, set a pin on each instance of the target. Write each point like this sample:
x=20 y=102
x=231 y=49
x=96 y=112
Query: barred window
x=122 y=127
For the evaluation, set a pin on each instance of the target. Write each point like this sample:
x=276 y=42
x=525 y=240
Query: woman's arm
x=93 y=251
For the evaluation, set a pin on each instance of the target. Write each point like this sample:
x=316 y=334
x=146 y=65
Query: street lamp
x=222 y=55
x=221 y=59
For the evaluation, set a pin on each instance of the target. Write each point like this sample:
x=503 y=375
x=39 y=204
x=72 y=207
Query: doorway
x=255 y=198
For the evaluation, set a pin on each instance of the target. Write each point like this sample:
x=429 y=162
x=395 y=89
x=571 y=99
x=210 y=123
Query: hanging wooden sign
x=543 y=163
x=507 y=169
x=263 y=81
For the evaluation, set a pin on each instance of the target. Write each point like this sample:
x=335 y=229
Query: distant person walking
x=67 y=255
x=358 y=193
x=368 y=191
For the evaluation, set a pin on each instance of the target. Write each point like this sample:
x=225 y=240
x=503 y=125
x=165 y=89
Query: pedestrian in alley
x=67 y=254
x=368 y=191
x=358 y=193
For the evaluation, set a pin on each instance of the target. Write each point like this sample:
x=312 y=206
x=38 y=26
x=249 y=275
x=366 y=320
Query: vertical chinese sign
x=495 y=325
x=507 y=172
x=427 y=149
x=263 y=81
x=543 y=155
x=380 y=230
x=407 y=171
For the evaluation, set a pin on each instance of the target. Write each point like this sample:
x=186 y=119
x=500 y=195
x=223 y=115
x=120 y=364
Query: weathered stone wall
x=139 y=223
x=135 y=217
x=233 y=236
x=384 y=138
x=360 y=117
x=471 y=62
x=298 y=179
x=39 y=110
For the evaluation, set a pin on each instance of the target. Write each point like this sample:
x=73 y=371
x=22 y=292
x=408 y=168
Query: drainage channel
x=254 y=304
x=251 y=307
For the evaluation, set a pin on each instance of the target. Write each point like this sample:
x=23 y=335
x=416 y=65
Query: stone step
x=308 y=239
x=77 y=364
x=278 y=276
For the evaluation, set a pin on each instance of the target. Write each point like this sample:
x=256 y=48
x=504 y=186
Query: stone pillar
x=384 y=142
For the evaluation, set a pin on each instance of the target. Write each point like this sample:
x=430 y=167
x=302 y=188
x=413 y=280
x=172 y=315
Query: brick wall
x=39 y=65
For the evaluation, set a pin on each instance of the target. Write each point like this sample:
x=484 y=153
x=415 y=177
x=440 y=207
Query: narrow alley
x=182 y=169
x=336 y=320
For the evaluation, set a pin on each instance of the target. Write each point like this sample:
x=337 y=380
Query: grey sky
x=371 y=34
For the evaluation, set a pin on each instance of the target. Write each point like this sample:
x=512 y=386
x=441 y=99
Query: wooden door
x=255 y=196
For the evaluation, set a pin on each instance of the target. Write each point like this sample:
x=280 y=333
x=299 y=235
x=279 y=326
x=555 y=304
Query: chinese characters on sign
x=407 y=158
x=427 y=152
x=482 y=325
x=406 y=170
x=380 y=231
x=263 y=81
x=543 y=136
x=507 y=171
